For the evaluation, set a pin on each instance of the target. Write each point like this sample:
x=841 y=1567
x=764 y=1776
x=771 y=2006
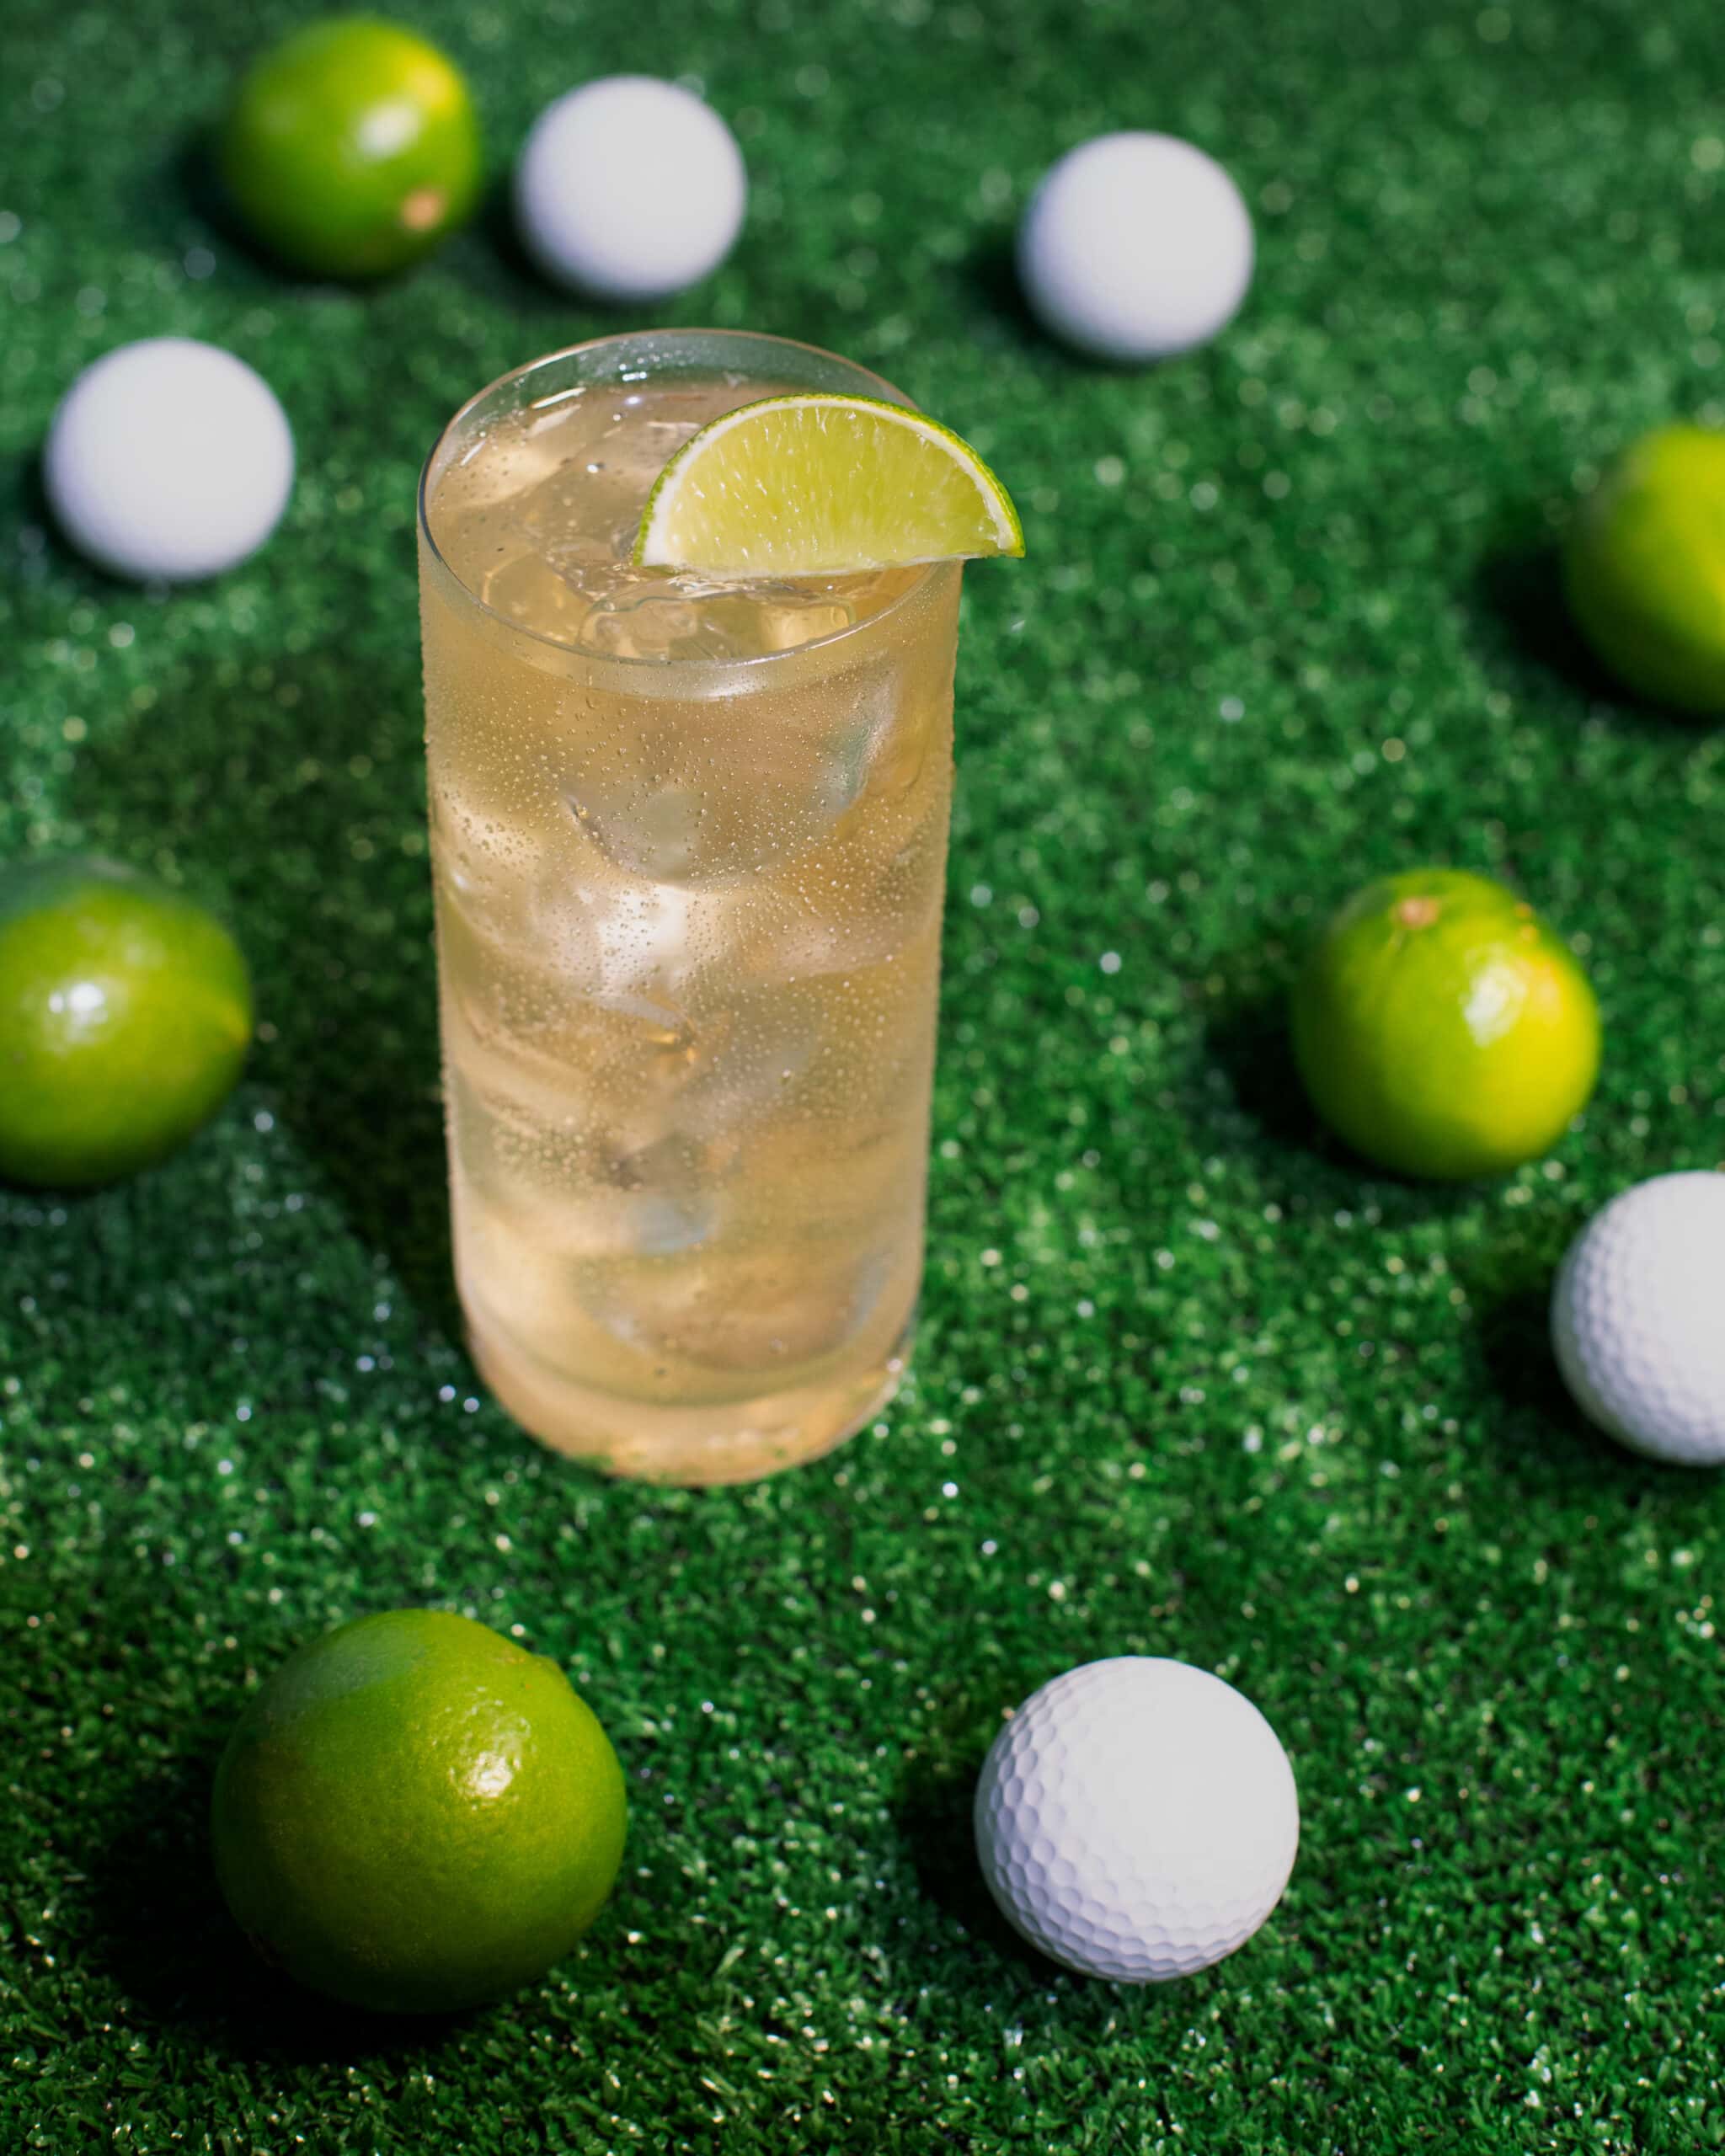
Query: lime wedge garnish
x=815 y=484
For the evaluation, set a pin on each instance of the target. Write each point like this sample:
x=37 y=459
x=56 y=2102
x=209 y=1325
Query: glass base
x=730 y=1441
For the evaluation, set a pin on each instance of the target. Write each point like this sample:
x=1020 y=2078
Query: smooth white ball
x=168 y=458
x=1135 y=246
x=1137 y=1819
x=629 y=189
x=1638 y=1318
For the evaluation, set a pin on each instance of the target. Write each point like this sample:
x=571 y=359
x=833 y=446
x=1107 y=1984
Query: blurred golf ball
x=1137 y=1819
x=1638 y=1318
x=168 y=458
x=630 y=189
x=1135 y=246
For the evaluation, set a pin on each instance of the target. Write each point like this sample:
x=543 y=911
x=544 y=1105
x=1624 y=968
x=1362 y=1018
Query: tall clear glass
x=688 y=840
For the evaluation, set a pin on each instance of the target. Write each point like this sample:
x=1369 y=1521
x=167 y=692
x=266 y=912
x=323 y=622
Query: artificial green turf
x=1189 y=1382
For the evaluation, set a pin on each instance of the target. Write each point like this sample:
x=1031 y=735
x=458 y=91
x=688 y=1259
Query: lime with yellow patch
x=1644 y=567
x=1442 y=1029
x=415 y=1815
x=816 y=483
x=125 y=1011
x=351 y=148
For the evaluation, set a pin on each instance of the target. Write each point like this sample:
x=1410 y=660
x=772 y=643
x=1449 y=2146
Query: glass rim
x=661 y=668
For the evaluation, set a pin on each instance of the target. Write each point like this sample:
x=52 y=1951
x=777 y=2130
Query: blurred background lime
x=1442 y=1028
x=416 y=1815
x=352 y=148
x=125 y=1014
x=1645 y=568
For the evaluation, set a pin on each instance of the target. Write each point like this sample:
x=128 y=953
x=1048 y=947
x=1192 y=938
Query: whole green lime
x=352 y=148
x=1645 y=568
x=1442 y=1028
x=416 y=1815
x=125 y=1013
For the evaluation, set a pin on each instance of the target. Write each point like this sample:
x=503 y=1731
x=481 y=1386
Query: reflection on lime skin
x=415 y=1815
x=1644 y=569
x=1442 y=1029
x=352 y=149
x=125 y=1011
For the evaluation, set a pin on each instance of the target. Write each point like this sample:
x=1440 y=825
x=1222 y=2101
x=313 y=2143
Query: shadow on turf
x=1249 y=1043
x=991 y=275
x=1517 y=599
x=349 y=1055
x=933 y=1819
x=1518 y=591
x=1547 y=1442
x=194 y=178
x=194 y=181
x=509 y=270
x=161 y=1931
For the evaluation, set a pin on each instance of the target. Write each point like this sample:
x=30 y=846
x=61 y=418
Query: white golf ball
x=1137 y=1819
x=629 y=189
x=168 y=458
x=1135 y=246
x=1638 y=1318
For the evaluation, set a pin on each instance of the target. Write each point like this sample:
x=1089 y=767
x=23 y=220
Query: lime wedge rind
x=816 y=484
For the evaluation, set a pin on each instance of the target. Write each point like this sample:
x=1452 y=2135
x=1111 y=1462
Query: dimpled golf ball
x=1135 y=246
x=629 y=189
x=1137 y=1819
x=169 y=459
x=1638 y=1318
